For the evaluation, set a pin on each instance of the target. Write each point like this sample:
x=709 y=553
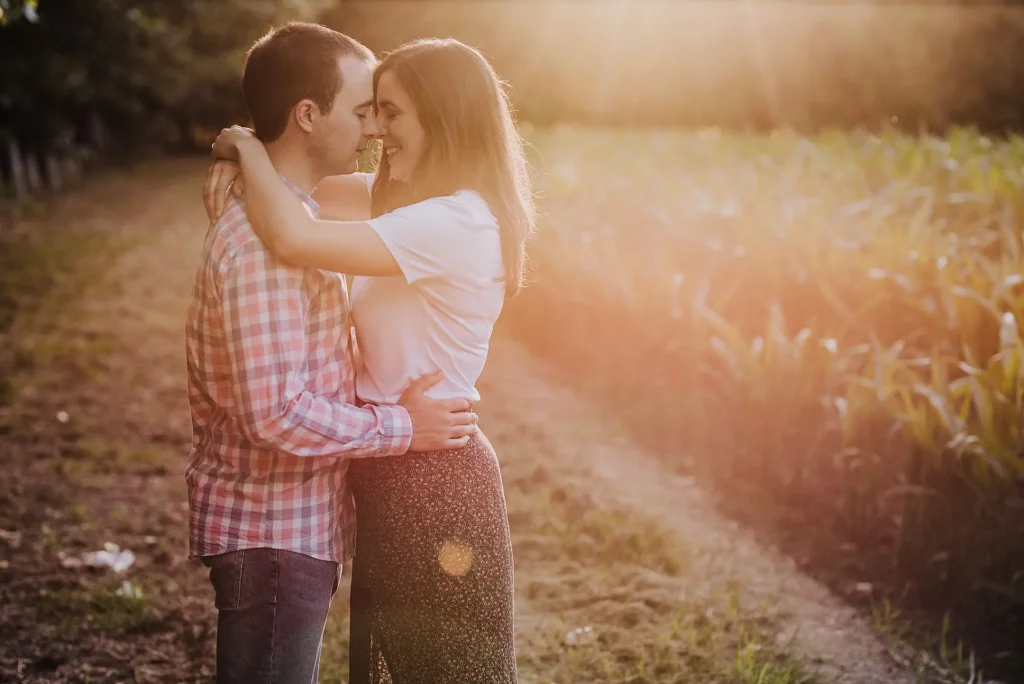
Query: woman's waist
x=388 y=391
x=477 y=445
x=477 y=457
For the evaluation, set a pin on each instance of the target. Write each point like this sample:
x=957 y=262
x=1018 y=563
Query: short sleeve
x=367 y=178
x=439 y=237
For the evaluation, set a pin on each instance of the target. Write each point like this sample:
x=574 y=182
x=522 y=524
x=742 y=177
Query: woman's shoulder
x=461 y=229
x=347 y=182
x=345 y=197
x=465 y=208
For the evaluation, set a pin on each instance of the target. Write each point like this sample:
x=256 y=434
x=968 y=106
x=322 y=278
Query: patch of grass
x=752 y=667
x=32 y=265
x=611 y=592
x=621 y=535
x=105 y=606
x=334 y=659
x=43 y=276
x=50 y=537
x=121 y=518
x=889 y=620
x=582 y=528
x=691 y=642
x=65 y=349
x=97 y=448
x=938 y=652
x=646 y=611
x=931 y=656
x=77 y=514
x=8 y=390
x=142 y=456
x=951 y=651
x=97 y=455
x=74 y=469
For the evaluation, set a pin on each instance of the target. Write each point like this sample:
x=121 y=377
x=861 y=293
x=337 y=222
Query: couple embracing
x=330 y=426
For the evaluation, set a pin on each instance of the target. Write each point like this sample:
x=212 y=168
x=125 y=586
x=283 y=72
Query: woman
x=451 y=209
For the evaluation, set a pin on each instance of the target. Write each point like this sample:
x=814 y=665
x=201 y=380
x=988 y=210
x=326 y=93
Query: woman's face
x=402 y=135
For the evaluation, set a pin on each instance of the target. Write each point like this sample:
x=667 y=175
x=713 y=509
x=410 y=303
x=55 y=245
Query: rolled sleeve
x=395 y=429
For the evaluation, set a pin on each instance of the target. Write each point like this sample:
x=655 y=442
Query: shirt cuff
x=395 y=430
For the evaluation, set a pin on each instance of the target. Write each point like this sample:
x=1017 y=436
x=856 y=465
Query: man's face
x=339 y=138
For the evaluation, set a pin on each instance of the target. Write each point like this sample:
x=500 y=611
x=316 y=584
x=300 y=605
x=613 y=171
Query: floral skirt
x=432 y=579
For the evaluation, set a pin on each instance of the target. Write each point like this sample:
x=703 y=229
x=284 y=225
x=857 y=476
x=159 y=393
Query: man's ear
x=306 y=113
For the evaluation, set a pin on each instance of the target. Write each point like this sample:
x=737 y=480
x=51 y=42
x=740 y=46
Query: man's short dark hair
x=291 y=63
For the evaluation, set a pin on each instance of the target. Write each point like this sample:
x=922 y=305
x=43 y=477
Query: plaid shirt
x=271 y=383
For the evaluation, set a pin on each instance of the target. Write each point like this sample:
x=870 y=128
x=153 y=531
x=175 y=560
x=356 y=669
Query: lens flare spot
x=455 y=558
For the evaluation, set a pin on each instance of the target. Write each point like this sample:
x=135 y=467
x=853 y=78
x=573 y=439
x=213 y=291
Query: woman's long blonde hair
x=471 y=141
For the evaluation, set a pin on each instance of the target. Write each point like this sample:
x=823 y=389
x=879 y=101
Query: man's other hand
x=437 y=424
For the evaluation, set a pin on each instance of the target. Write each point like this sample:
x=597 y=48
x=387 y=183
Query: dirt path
x=623 y=572
x=524 y=394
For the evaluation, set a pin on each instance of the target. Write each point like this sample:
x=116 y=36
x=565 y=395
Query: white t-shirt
x=440 y=312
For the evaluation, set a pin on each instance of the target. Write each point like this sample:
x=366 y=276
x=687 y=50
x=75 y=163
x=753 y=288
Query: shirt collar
x=306 y=199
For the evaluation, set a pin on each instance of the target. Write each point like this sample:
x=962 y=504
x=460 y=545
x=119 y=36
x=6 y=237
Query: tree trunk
x=53 y=173
x=18 y=181
x=35 y=179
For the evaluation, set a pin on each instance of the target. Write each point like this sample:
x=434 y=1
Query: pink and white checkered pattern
x=271 y=382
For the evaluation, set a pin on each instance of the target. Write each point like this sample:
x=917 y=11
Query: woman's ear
x=306 y=113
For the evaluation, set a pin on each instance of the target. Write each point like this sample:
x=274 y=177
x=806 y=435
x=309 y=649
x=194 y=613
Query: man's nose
x=372 y=128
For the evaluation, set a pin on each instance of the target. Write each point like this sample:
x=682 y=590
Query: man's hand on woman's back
x=437 y=424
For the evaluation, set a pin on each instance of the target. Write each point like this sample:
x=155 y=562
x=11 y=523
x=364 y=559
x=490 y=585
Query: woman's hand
x=223 y=177
x=226 y=144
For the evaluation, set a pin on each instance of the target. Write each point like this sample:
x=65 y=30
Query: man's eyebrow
x=363 y=105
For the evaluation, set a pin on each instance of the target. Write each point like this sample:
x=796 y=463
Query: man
x=271 y=380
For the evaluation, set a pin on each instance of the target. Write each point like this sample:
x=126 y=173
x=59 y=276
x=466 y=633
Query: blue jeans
x=272 y=607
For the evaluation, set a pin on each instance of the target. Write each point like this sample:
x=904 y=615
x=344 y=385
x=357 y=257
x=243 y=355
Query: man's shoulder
x=232 y=230
x=232 y=239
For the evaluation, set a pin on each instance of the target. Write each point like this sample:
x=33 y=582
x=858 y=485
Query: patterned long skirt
x=432 y=579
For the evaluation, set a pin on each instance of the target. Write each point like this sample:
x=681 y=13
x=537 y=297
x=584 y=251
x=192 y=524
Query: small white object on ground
x=111 y=556
x=580 y=635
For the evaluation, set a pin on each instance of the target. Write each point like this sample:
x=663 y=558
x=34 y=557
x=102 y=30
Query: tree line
x=146 y=74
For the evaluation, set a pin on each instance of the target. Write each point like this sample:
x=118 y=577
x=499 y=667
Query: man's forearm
x=312 y=425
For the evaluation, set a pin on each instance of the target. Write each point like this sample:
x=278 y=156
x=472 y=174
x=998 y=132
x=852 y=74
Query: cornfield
x=833 y=321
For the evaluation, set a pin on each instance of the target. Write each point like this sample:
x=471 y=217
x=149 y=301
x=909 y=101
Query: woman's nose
x=371 y=128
